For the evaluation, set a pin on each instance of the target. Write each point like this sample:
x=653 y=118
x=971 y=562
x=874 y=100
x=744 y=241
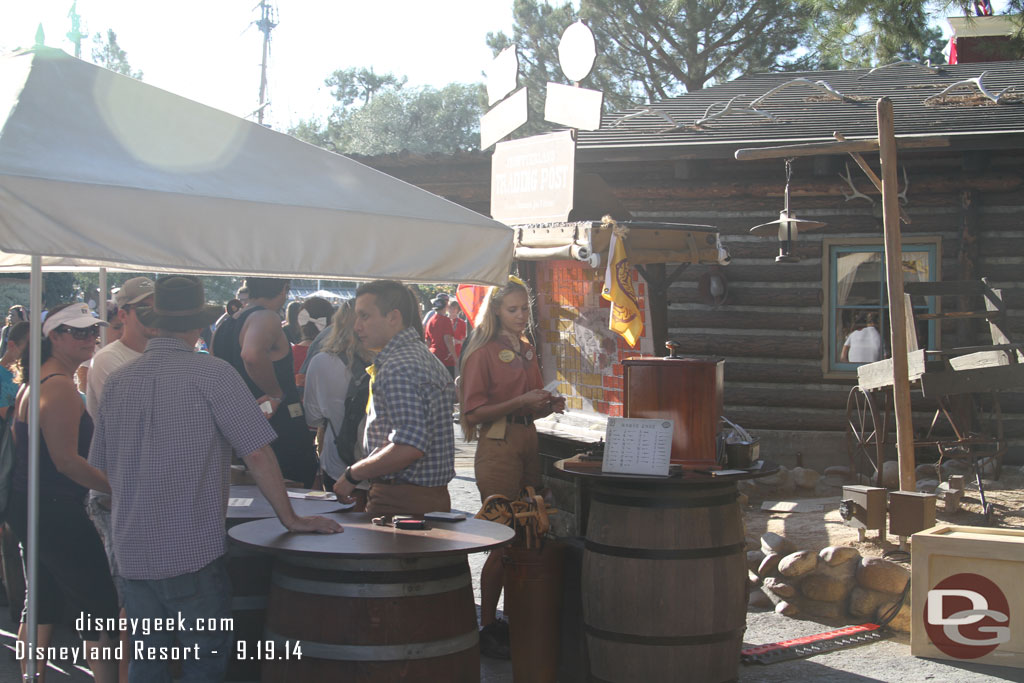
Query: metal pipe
x=32 y=562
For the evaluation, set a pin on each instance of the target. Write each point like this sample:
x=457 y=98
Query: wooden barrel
x=372 y=620
x=250 y=573
x=664 y=583
x=533 y=602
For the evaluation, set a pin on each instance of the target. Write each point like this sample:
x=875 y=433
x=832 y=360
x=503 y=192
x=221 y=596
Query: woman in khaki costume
x=501 y=396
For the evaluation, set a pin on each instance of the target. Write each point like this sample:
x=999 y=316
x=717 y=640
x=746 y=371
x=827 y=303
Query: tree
x=654 y=50
x=864 y=33
x=352 y=84
x=392 y=118
x=110 y=55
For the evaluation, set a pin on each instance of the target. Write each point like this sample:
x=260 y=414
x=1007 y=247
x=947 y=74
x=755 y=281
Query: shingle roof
x=803 y=112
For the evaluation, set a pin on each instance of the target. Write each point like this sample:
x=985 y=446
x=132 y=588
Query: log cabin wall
x=771 y=328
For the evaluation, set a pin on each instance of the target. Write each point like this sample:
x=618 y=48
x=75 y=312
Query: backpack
x=225 y=341
x=355 y=412
x=6 y=461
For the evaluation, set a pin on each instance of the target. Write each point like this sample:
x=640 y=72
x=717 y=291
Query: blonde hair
x=486 y=331
x=342 y=341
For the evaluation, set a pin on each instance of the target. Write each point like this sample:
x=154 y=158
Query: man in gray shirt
x=165 y=433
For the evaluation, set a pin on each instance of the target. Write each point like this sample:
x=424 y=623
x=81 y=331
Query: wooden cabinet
x=686 y=390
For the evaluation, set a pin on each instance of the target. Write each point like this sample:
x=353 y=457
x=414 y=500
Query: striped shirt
x=411 y=404
x=165 y=431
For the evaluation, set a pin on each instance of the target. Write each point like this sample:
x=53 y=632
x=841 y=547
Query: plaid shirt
x=165 y=430
x=412 y=398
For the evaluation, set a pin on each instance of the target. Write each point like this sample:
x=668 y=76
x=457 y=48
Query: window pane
x=915 y=266
x=859 y=278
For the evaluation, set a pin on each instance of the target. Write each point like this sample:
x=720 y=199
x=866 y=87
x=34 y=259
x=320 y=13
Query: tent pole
x=32 y=569
x=101 y=305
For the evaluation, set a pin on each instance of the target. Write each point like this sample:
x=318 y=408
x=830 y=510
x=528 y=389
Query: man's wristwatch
x=349 y=478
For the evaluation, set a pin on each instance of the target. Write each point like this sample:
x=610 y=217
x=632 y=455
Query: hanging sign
x=532 y=179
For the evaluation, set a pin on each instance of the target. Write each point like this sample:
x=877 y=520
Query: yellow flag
x=618 y=288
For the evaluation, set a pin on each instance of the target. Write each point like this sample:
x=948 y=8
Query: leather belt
x=521 y=419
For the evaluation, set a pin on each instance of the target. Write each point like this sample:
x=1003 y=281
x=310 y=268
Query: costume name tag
x=295 y=410
x=506 y=356
x=529 y=354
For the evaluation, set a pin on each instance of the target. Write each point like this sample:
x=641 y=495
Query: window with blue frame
x=858 y=322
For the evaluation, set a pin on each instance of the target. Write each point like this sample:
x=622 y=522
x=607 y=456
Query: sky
x=209 y=51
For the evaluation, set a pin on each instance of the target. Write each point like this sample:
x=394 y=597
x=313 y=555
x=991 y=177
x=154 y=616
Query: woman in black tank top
x=72 y=564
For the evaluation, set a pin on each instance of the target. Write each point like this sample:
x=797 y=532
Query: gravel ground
x=887 y=660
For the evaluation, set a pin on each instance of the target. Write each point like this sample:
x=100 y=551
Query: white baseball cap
x=75 y=315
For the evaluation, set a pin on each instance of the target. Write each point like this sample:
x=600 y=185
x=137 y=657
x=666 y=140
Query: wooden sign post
x=894 y=280
x=886 y=144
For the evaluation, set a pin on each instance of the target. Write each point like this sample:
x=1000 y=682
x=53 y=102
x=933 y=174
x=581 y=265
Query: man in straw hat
x=165 y=432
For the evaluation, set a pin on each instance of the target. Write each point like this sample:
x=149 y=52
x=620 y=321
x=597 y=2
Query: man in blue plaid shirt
x=409 y=435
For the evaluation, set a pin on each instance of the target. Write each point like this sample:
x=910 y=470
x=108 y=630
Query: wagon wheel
x=987 y=436
x=498 y=509
x=864 y=441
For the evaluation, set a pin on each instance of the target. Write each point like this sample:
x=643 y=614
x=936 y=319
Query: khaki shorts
x=505 y=466
x=407 y=499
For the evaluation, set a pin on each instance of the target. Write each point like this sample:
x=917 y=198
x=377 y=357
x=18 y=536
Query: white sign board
x=637 y=446
x=504 y=118
x=532 y=179
x=573 y=107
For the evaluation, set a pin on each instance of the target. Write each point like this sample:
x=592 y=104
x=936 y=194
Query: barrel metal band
x=376 y=565
x=380 y=653
x=662 y=501
x=371 y=590
x=667 y=641
x=664 y=553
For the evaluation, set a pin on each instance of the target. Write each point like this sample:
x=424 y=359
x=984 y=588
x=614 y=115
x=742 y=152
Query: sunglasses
x=80 y=333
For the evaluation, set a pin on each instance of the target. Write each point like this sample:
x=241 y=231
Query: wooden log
x=786 y=396
x=779 y=346
x=775 y=272
x=776 y=371
x=751 y=295
x=976 y=380
x=811 y=149
x=746 y=320
x=759 y=417
x=894 y=276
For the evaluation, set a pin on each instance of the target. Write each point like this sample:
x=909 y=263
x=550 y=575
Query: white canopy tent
x=101 y=170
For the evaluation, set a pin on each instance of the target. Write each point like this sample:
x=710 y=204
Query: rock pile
x=835 y=583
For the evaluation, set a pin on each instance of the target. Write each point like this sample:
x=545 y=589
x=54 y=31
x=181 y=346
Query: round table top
x=362 y=539
x=678 y=478
x=260 y=507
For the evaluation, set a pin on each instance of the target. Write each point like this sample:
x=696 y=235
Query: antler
x=856 y=193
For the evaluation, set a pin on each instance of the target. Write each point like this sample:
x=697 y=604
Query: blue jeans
x=196 y=600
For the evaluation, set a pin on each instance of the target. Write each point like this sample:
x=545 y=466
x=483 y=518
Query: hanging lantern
x=787 y=227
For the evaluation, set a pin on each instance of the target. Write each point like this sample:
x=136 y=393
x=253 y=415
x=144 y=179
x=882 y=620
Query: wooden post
x=894 y=279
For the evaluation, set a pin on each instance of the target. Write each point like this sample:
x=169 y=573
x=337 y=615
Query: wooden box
x=910 y=512
x=869 y=507
x=958 y=568
x=686 y=390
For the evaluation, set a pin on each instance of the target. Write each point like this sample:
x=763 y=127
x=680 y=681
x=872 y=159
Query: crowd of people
x=357 y=399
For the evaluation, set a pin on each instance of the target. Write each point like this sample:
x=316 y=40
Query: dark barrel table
x=664 y=579
x=372 y=603
x=250 y=573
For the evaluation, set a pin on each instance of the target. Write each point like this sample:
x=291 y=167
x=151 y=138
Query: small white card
x=239 y=502
x=312 y=495
x=637 y=446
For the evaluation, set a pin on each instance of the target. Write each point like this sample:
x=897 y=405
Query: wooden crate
x=959 y=568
